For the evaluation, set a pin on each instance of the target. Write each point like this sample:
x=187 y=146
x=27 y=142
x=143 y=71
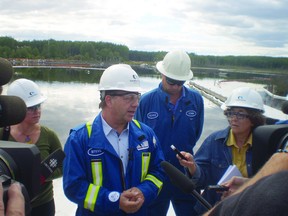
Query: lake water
x=73 y=99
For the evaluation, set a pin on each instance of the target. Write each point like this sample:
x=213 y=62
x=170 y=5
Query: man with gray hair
x=112 y=166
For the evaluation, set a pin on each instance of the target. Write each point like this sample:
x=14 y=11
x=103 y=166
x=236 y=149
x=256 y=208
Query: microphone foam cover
x=12 y=110
x=6 y=71
x=177 y=177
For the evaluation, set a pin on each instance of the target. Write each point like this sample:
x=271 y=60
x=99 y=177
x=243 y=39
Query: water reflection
x=275 y=83
x=71 y=104
x=73 y=97
x=68 y=105
x=59 y=74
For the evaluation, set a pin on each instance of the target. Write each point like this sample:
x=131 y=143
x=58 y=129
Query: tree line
x=95 y=52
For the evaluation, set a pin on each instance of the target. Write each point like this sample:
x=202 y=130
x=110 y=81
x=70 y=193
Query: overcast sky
x=203 y=27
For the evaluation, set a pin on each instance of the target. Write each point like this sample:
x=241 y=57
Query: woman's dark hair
x=256 y=117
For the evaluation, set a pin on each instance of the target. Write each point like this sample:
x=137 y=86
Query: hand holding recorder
x=218 y=188
x=186 y=160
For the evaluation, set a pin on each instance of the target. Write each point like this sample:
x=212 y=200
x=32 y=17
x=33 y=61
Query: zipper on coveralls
x=122 y=175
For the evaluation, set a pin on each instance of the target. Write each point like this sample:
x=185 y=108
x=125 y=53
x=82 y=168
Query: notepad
x=230 y=172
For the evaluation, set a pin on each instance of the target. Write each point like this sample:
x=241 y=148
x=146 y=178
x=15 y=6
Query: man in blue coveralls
x=112 y=165
x=176 y=114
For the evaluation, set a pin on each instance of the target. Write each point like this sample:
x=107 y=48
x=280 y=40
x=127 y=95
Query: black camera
x=267 y=140
x=20 y=162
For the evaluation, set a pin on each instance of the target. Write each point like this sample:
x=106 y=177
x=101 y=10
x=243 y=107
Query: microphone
x=6 y=71
x=50 y=164
x=178 y=178
x=12 y=110
x=181 y=181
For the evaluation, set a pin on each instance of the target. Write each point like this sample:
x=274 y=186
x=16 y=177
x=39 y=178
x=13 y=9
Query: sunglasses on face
x=174 y=82
x=34 y=108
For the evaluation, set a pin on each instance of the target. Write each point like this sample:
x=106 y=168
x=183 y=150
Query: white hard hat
x=244 y=97
x=176 y=65
x=120 y=77
x=27 y=90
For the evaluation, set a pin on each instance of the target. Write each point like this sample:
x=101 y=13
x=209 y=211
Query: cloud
x=254 y=27
x=262 y=23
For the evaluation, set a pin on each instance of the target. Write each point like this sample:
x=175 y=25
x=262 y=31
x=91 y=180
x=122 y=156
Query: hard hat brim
x=36 y=101
x=224 y=107
x=135 y=89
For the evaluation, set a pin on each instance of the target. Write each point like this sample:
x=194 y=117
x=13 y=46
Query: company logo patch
x=113 y=196
x=94 y=152
x=152 y=115
x=143 y=145
x=53 y=162
x=191 y=113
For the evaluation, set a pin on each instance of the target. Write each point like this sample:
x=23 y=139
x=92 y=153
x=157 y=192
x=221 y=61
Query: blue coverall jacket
x=213 y=159
x=93 y=174
x=181 y=127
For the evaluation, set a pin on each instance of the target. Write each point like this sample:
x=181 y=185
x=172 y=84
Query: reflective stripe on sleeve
x=91 y=197
x=155 y=180
x=145 y=164
x=97 y=173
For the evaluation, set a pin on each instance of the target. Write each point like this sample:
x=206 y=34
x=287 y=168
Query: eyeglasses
x=238 y=115
x=34 y=108
x=128 y=96
x=174 y=82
